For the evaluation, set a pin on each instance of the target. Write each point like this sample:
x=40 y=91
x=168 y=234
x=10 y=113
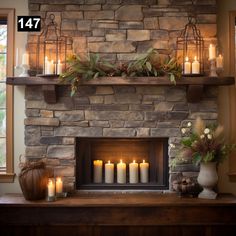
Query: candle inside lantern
x=25 y=59
x=59 y=67
x=187 y=66
x=50 y=67
x=109 y=173
x=97 y=171
x=133 y=172
x=219 y=62
x=212 y=52
x=195 y=66
x=59 y=185
x=51 y=188
x=121 y=173
x=144 y=170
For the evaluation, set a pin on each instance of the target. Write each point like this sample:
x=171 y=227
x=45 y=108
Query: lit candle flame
x=121 y=161
x=133 y=161
x=186 y=58
x=109 y=162
x=143 y=161
x=195 y=58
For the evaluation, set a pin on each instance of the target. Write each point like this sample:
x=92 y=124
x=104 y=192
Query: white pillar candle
x=59 y=185
x=59 y=67
x=187 y=66
x=219 y=62
x=133 y=172
x=212 y=52
x=97 y=171
x=51 y=188
x=195 y=66
x=25 y=59
x=144 y=172
x=121 y=173
x=109 y=173
x=50 y=67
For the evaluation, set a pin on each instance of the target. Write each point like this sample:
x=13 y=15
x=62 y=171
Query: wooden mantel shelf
x=194 y=85
x=119 y=214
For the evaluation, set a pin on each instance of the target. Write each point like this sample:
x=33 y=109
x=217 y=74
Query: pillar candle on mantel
x=195 y=66
x=109 y=173
x=59 y=67
x=121 y=173
x=97 y=171
x=212 y=52
x=59 y=185
x=25 y=59
x=133 y=172
x=144 y=172
x=187 y=66
x=51 y=188
x=219 y=62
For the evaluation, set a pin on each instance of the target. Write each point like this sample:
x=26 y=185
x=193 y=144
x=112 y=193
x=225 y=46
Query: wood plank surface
x=218 y=81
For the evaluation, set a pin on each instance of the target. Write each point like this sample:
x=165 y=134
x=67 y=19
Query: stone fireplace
x=119 y=31
x=144 y=112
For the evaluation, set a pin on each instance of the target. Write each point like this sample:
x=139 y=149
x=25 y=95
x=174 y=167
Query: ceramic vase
x=208 y=178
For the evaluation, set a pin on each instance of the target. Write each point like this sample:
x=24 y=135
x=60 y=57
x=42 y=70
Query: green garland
x=149 y=64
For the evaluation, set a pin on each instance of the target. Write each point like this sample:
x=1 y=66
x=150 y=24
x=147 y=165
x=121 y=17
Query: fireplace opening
x=93 y=151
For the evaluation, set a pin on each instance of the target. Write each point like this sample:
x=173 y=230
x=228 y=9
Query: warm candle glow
x=187 y=66
x=133 y=161
x=109 y=162
x=186 y=58
x=59 y=185
x=121 y=161
x=143 y=161
x=195 y=66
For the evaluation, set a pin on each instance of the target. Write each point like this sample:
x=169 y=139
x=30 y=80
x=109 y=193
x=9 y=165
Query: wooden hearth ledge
x=105 y=211
x=195 y=85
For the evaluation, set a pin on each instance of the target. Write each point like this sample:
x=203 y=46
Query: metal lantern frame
x=51 y=43
x=189 y=41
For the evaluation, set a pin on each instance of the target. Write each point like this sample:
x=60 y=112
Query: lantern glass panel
x=190 y=45
x=52 y=49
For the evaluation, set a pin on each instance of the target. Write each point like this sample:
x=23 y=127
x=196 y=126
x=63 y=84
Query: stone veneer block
x=172 y=23
x=129 y=13
x=42 y=121
x=35 y=151
x=64 y=171
x=111 y=47
x=138 y=35
x=72 y=131
x=61 y=151
x=151 y=23
x=70 y=115
x=104 y=90
x=115 y=115
x=99 y=15
x=118 y=132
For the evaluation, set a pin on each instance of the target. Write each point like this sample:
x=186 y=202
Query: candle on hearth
x=212 y=52
x=195 y=66
x=59 y=185
x=121 y=173
x=25 y=59
x=59 y=67
x=51 y=188
x=187 y=66
x=97 y=171
x=219 y=62
x=109 y=173
x=133 y=172
x=144 y=171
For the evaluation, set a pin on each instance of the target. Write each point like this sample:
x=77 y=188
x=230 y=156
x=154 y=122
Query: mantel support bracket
x=49 y=93
x=194 y=93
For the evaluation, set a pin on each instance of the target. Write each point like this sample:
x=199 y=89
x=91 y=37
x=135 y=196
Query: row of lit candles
x=51 y=67
x=134 y=169
x=194 y=67
x=55 y=188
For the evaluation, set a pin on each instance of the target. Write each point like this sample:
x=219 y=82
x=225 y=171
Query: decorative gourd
x=33 y=179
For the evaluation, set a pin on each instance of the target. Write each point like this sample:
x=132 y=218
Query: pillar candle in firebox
x=97 y=171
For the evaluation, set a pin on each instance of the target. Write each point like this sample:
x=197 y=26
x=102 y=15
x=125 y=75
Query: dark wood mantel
x=195 y=85
x=119 y=214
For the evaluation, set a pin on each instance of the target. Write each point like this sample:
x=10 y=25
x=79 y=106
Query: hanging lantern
x=52 y=49
x=190 y=46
